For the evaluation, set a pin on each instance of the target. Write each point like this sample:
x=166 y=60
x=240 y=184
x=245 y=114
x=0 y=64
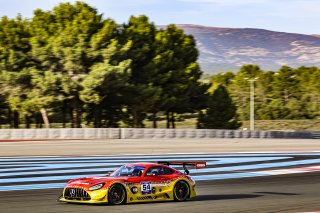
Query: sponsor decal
x=129 y=183
x=200 y=165
x=161 y=184
x=147 y=198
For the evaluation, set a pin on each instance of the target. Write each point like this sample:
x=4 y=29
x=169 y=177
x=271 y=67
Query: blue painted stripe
x=94 y=170
x=244 y=160
x=106 y=157
x=207 y=170
x=49 y=178
x=257 y=166
x=227 y=176
x=2 y=159
x=61 y=185
x=24 y=168
x=120 y=162
x=62 y=165
x=32 y=186
x=63 y=168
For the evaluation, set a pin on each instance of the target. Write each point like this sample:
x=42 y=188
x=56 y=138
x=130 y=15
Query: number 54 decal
x=145 y=188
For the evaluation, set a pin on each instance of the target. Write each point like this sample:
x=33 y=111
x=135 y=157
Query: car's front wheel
x=181 y=191
x=117 y=194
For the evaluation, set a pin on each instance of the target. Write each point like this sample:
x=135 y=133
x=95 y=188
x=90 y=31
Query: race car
x=134 y=182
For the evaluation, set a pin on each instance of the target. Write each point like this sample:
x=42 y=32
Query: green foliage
x=284 y=94
x=71 y=59
x=78 y=67
x=141 y=91
x=220 y=112
x=178 y=72
x=14 y=43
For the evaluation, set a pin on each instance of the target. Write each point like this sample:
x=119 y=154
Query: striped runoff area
x=25 y=173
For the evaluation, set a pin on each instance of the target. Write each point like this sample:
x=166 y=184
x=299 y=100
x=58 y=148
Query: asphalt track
x=299 y=192
x=288 y=193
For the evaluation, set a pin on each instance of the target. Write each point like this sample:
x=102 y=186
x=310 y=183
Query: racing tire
x=117 y=195
x=181 y=191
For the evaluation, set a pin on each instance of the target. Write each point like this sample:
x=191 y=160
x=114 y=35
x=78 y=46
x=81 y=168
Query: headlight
x=96 y=187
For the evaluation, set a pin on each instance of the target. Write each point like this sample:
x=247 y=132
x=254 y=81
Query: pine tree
x=220 y=112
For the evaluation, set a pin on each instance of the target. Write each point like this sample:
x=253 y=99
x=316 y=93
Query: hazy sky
x=298 y=16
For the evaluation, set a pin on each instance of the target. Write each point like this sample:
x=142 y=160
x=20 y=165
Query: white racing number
x=145 y=188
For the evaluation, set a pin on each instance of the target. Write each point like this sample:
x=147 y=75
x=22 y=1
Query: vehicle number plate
x=145 y=188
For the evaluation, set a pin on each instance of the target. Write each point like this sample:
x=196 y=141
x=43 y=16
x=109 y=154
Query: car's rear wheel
x=181 y=191
x=117 y=194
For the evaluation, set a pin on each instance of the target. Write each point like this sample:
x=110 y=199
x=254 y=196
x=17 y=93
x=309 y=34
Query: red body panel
x=85 y=183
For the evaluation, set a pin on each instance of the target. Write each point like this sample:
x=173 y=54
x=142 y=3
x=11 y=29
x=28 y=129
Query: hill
x=227 y=49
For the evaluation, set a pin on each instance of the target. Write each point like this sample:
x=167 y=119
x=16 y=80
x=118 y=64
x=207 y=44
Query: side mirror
x=109 y=173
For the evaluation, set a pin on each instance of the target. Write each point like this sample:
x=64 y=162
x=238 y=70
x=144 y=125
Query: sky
x=296 y=16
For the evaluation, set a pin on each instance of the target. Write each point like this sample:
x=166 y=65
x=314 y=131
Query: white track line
x=289 y=171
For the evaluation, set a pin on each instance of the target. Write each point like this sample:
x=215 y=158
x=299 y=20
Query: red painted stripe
x=308 y=168
x=311 y=212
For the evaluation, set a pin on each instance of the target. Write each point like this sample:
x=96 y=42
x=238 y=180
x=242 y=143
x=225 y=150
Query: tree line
x=288 y=93
x=70 y=65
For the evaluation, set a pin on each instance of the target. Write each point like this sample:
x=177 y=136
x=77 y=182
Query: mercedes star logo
x=72 y=192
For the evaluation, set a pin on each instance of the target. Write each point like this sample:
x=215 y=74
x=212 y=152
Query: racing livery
x=135 y=182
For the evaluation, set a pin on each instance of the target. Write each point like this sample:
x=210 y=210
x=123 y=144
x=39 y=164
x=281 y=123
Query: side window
x=153 y=171
x=167 y=171
x=159 y=170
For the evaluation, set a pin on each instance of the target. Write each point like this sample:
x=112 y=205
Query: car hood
x=90 y=181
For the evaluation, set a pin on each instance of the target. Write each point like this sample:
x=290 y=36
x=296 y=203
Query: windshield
x=134 y=171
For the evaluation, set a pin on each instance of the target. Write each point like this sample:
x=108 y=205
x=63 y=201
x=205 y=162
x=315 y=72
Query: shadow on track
x=197 y=198
x=225 y=197
x=278 y=193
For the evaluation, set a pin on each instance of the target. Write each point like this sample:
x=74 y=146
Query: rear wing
x=197 y=164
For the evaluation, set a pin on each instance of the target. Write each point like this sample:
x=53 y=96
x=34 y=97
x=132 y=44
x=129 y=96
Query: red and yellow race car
x=136 y=182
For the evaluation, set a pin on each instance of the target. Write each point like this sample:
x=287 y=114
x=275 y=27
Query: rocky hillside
x=227 y=49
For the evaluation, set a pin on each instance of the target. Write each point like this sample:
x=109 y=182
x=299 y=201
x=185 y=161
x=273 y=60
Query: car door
x=151 y=181
x=156 y=180
x=166 y=173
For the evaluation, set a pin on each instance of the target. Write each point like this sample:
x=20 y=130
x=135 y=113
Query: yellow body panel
x=162 y=191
